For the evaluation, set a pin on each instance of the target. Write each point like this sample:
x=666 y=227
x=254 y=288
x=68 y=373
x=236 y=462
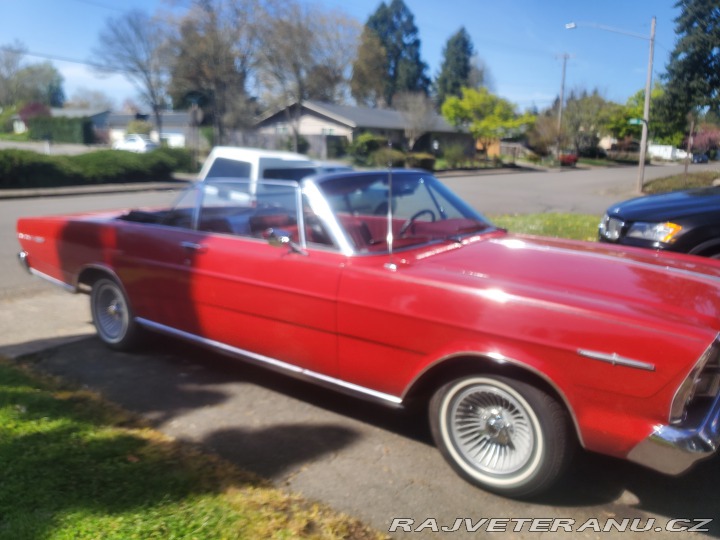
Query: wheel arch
x=92 y=273
x=420 y=390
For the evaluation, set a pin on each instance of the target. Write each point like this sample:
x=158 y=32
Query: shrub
x=302 y=145
x=420 y=160
x=387 y=157
x=181 y=158
x=364 y=145
x=110 y=166
x=24 y=168
x=454 y=155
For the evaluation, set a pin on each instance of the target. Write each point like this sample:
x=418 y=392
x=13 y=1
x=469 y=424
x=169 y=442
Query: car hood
x=668 y=206
x=625 y=284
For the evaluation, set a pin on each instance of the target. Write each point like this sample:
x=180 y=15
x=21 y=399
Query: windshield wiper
x=460 y=232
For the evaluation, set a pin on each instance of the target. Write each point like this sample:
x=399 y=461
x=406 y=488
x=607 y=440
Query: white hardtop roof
x=255 y=154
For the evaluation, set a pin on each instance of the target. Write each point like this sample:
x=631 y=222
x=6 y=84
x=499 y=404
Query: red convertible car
x=522 y=348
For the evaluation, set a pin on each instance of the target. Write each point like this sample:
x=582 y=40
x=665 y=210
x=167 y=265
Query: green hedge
x=27 y=169
x=62 y=130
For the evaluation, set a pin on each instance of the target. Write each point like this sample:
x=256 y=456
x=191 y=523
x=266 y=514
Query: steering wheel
x=415 y=216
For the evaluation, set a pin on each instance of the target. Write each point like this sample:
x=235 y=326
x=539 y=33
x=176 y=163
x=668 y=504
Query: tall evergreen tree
x=367 y=84
x=693 y=73
x=394 y=25
x=456 y=67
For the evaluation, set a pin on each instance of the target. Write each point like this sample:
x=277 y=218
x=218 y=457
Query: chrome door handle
x=192 y=246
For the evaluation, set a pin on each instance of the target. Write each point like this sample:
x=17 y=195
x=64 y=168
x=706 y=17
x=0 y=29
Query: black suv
x=685 y=221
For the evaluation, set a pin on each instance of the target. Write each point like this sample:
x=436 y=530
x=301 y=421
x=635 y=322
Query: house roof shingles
x=365 y=117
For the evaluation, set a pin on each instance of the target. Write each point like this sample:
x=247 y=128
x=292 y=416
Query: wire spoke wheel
x=501 y=434
x=112 y=315
x=492 y=430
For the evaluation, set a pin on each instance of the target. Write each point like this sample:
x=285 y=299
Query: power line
x=56 y=57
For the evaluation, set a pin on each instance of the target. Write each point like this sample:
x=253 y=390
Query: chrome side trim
x=673 y=450
x=277 y=365
x=54 y=281
x=616 y=360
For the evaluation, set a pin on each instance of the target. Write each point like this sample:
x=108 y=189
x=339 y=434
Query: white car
x=136 y=143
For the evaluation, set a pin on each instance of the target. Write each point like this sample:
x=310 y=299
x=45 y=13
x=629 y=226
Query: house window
x=327 y=131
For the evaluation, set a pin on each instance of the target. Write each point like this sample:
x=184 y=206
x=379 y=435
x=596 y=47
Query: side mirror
x=281 y=238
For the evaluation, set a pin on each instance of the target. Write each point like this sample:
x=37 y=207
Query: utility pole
x=562 y=103
x=646 y=111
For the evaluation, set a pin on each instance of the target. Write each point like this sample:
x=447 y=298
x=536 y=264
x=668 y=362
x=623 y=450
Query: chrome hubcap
x=491 y=429
x=112 y=315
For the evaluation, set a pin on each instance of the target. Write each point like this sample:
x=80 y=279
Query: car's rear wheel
x=501 y=434
x=112 y=315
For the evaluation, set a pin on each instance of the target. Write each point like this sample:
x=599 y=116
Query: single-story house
x=321 y=121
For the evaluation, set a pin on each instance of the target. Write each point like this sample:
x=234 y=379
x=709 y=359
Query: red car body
x=615 y=337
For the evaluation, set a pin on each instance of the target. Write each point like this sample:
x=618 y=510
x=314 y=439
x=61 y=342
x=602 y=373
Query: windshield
x=423 y=210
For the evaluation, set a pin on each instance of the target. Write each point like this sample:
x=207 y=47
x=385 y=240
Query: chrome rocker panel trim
x=278 y=365
x=23 y=259
x=673 y=450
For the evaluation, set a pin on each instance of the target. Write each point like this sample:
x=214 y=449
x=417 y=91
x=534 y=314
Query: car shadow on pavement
x=259 y=419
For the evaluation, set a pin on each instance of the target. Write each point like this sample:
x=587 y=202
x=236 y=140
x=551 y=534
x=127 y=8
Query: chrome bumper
x=672 y=450
x=23 y=259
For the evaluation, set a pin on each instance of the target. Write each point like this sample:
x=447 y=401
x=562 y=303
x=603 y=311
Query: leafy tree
x=457 y=66
x=367 y=84
x=586 y=118
x=707 y=138
x=660 y=129
x=11 y=57
x=34 y=110
x=394 y=25
x=216 y=51
x=304 y=47
x=542 y=136
x=693 y=72
x=41 y=82
x=135 y=45
x=487 y=116
x=21 y=82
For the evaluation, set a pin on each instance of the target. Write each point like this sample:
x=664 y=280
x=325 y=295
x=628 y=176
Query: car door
x=278 y=302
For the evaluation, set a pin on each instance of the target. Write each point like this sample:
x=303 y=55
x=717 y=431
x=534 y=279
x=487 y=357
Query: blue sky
x=520 y=41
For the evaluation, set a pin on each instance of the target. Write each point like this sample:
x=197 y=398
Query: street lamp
x=648 y=84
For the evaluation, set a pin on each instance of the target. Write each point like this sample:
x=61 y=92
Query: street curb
x=92 y=190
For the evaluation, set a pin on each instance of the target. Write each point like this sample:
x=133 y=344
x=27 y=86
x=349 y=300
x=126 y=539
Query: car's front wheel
x=112 y=315
x=502 y=434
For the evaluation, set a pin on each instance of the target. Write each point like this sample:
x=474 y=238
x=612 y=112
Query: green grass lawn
x=560 y=225
x=74 y=467
x=680 y=181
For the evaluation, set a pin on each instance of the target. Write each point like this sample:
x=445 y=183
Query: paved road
x=370 y=462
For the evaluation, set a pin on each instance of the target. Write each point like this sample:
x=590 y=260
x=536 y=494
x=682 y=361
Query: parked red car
x=568 y=159
x=521 y=347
